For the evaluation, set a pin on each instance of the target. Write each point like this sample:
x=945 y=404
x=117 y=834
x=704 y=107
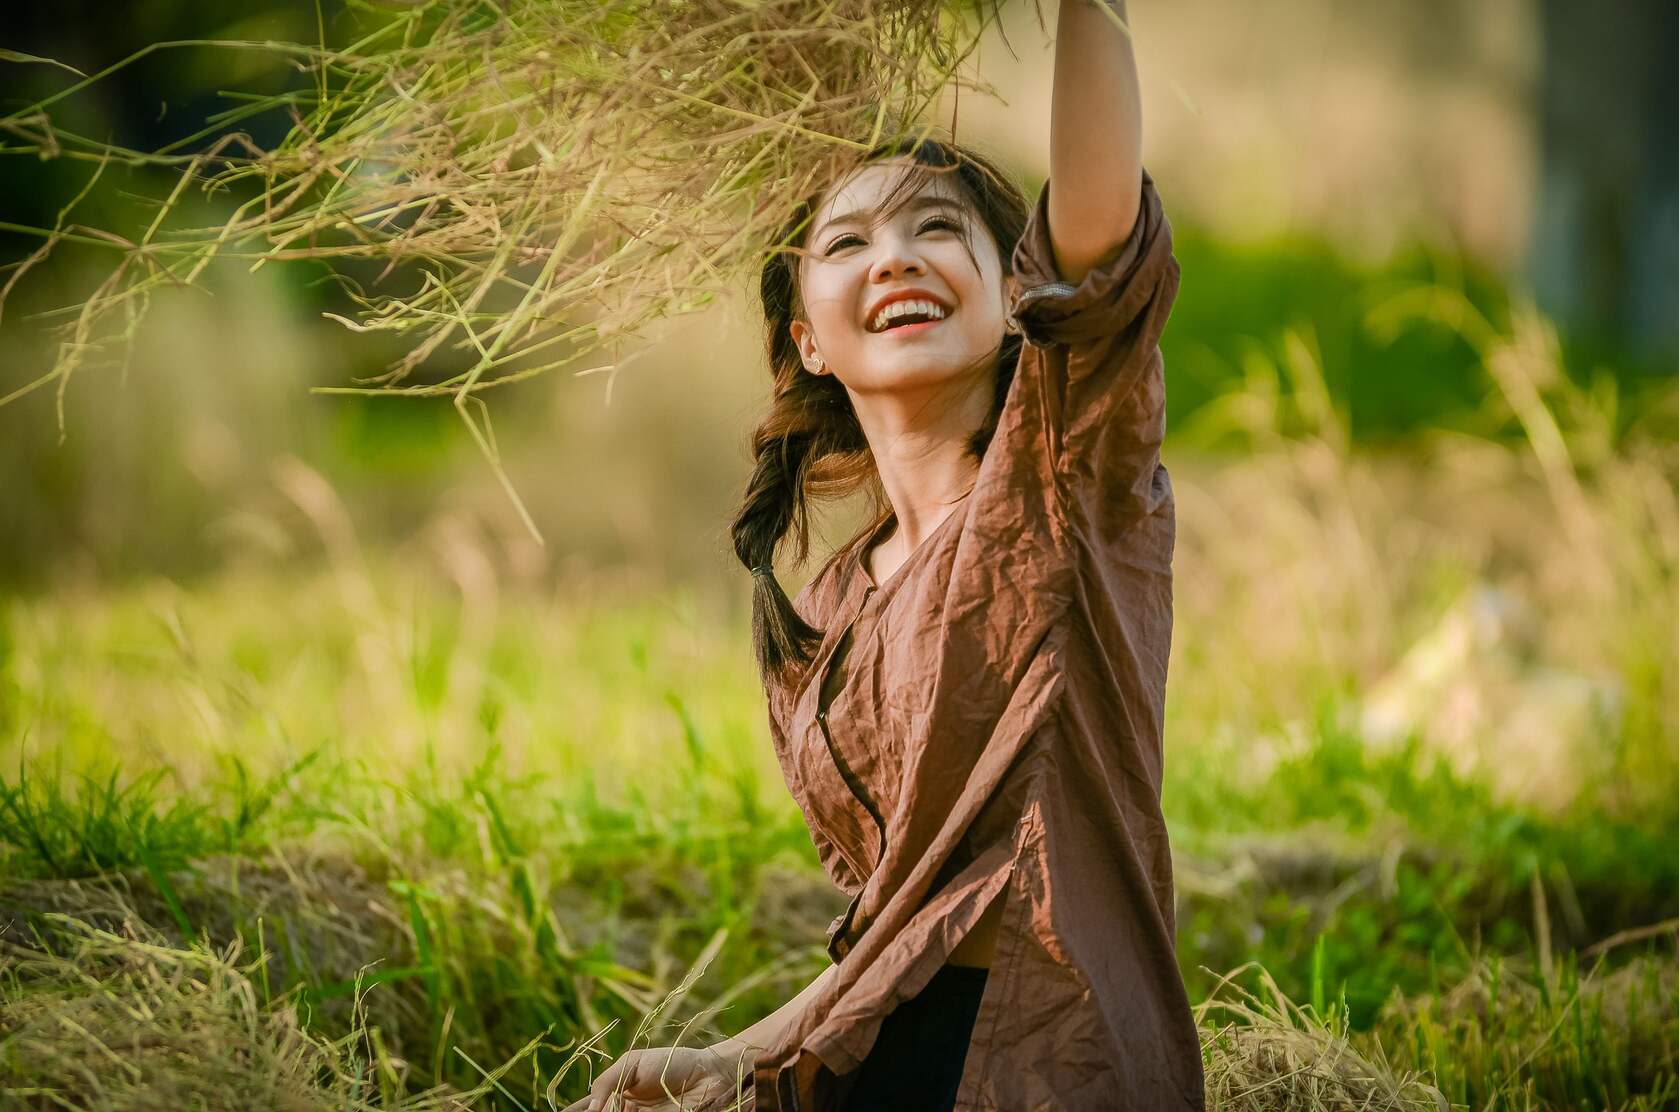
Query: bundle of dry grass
x=551 y=175
x=94 y=1020
x=1274 y=1056
x=318 y=918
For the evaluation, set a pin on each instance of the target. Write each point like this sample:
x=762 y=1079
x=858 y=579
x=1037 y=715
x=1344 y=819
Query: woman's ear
x=805 y=339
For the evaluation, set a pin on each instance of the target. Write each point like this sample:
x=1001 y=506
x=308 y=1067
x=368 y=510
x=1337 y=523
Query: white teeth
x=899 y=308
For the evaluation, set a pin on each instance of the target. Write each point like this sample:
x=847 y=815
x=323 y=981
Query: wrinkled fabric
x=998 y=730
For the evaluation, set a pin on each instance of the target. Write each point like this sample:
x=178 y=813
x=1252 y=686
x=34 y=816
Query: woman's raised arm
x=1095 y=135
x=1097 y=279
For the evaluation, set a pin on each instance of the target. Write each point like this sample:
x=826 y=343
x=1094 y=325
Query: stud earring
x=818 y=364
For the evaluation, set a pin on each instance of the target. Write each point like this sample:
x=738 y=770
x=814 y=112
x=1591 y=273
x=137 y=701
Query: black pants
x=915 y=1064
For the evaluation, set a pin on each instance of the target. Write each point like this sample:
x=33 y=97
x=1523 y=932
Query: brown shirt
x=997 y=730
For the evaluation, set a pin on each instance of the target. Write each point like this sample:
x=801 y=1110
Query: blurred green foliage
x=137 y=483
x=394 y=457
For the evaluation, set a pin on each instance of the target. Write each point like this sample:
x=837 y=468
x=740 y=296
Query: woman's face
x=853 y=264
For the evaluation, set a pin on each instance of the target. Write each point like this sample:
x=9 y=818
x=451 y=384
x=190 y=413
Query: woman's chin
x=918 y=370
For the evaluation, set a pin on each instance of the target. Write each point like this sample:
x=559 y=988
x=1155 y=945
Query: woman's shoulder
x=818 y=598
x=814 y=600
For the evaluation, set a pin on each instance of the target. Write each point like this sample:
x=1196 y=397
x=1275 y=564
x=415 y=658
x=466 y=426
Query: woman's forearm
x=1095 y=135
x=770 y=1028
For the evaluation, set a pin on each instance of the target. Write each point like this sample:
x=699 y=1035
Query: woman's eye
x=934 y=222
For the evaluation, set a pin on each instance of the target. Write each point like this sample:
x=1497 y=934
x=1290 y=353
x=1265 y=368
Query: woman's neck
x=920 y=449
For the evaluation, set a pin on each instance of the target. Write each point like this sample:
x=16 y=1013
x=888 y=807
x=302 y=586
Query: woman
x=967 y=699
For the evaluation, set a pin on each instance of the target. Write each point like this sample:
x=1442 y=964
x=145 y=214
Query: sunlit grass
x=522 y=813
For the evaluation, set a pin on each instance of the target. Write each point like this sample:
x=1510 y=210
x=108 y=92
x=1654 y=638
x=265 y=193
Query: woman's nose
x=897 y=256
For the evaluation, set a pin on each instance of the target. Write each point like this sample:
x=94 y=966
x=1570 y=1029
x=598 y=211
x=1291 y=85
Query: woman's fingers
x=640 y=1081
x=601 y=1090
x=661 y=1079
x=587 y=1102
x=619 y=1078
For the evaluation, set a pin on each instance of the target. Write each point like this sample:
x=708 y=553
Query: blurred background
x=1423 y=429
x=1308 y=151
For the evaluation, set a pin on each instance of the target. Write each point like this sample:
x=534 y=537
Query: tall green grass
x=1419 y=781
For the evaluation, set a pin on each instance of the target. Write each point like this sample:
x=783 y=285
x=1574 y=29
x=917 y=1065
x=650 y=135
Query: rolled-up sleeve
x=1095 y=346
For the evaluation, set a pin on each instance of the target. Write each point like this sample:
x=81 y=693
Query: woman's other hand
x=663 y=1079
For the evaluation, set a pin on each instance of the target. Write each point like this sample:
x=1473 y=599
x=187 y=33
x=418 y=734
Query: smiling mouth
x=910 y=328
x=914 y=320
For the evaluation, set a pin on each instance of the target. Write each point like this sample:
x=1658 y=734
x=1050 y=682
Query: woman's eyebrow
x=919 y=203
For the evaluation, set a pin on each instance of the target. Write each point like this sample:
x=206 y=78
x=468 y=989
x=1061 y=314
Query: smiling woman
x=920 y=263
x=920 y=222
x=967 y=700
x=968 y=706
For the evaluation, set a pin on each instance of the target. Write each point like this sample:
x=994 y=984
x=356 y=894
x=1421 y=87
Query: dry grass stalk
x=543 y=178
x=1267 y=1055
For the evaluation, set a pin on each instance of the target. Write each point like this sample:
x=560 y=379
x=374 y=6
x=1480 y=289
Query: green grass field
x=382 y=830
x=374 y=804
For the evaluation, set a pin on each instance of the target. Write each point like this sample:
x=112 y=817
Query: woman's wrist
x=733 y=1052
x=737 y=1060
x=727 y=1048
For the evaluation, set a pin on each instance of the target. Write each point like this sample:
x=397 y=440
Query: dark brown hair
x=810 y=444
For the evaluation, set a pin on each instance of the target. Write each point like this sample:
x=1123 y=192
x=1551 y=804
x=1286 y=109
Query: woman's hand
x=663 y=1079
